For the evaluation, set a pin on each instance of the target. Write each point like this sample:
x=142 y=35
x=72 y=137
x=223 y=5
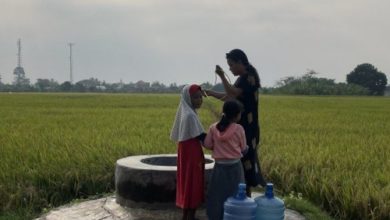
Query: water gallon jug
x=239 y=207
x=268 y=206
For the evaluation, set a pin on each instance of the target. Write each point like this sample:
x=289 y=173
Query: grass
x=58 y=147
x=306 y=208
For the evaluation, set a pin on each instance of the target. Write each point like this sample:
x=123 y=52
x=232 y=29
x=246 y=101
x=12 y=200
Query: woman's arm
x=218 y=95
x=231 y=90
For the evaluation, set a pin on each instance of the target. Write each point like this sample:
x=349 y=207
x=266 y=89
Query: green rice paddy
x=335 y=151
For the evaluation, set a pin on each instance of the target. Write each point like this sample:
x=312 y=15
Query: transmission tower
x=70 y=62
x=19 y=53
x=19 y=73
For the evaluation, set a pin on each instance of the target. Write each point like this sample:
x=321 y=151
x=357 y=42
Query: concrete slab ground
x=107 y=209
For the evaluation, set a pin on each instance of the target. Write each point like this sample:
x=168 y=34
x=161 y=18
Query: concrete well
x=149 y=180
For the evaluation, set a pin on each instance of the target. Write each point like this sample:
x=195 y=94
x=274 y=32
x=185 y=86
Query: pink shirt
x=227 y=144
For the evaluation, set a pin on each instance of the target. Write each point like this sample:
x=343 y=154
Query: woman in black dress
x=245 y=90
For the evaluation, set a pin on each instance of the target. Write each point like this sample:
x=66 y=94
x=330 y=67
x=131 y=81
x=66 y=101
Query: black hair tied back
x=231 y=109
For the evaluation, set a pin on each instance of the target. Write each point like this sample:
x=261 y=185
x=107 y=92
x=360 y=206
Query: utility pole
x=70 y=62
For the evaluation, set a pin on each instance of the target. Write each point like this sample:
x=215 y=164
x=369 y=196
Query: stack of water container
x=264 y=207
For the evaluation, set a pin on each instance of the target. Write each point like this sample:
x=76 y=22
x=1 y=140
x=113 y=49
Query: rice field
x=57 y=147
x=333 y=150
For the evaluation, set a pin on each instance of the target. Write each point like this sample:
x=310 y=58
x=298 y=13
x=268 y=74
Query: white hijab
x=187 y=124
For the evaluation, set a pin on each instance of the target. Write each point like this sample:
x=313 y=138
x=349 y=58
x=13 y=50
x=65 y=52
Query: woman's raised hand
x=219 y=71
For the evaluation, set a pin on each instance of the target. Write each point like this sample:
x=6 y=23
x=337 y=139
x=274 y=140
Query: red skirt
x=190 y=174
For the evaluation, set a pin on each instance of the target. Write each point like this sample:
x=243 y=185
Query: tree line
x=365 y=79
x=91 y=85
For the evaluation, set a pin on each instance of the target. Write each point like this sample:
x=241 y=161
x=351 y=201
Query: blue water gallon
x=240 y=207
x=269 y=207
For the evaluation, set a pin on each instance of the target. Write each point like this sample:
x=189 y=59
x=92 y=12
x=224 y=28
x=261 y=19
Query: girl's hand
x=219 y=71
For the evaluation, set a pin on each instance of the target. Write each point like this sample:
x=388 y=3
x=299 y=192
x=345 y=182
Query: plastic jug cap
x=241 y=194
x=269 y=190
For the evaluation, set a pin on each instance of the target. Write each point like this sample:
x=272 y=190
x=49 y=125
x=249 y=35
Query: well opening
x=165 y=161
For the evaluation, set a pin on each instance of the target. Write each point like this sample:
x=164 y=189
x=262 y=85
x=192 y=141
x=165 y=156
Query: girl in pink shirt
x=227 y=140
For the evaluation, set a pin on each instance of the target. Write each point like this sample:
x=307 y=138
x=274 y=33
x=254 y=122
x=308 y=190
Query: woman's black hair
x=238 y=55
x=231 y=109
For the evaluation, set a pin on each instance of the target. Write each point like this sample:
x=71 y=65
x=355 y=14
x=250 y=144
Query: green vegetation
x=309 y=84
x=57 y=147
x=368 y=76
x=333 y=150
x=306 y=208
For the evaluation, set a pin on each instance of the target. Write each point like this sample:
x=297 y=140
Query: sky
x=176 y=41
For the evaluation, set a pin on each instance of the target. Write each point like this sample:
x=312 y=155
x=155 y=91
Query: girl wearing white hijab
x=188 y=132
